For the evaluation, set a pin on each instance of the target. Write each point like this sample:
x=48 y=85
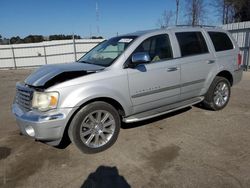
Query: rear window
x=221 y=41
x=191 y=43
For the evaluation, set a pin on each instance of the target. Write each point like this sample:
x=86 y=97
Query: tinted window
x=158 y=47
x=191 y=43
x=220 y=41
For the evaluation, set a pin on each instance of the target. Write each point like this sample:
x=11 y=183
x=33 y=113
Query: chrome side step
x=162 y=110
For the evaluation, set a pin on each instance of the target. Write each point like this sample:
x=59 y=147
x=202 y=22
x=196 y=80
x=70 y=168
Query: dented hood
x=49 y=75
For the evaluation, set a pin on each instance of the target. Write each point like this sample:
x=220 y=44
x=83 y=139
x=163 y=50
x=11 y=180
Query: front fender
x=75 y=97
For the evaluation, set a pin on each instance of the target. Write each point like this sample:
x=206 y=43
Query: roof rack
x=195 y=26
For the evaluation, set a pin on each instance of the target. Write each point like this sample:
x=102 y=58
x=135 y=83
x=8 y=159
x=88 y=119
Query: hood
x=49 y=75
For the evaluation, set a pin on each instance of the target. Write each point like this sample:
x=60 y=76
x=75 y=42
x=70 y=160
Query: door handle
x=210 y=61
x=171 y=69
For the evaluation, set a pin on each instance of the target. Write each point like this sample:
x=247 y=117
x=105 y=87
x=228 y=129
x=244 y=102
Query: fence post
x=45 y=56
x=247 y=49
x=248 y=59
x=13 y=55
x=74 y=46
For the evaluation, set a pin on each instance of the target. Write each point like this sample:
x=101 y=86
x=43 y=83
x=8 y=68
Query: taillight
x=239 y=60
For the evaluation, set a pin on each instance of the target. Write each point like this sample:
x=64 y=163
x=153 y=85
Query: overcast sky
x=46 y=17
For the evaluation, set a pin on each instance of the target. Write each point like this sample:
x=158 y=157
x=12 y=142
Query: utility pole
x=97 y=18
x=177 y=11
x=90 y=31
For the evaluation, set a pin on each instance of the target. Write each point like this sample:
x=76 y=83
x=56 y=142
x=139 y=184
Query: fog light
x=30 y=131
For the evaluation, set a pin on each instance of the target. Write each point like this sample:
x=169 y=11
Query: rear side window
x=158 y=47
x=191 y=43
x=221 y=41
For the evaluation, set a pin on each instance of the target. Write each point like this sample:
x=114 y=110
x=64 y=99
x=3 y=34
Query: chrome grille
x=24 y=96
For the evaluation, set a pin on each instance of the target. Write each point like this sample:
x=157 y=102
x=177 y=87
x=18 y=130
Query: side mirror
x=140 y=58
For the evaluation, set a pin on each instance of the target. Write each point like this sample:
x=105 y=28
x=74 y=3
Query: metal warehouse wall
x=49 y=52
x=241 y=33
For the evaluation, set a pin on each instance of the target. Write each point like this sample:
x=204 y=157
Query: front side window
x=158 y=47
x=221 y=41
x=191 y=43
x=107 y=52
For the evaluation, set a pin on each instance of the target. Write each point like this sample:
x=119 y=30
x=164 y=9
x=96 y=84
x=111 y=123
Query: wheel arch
x=108 y=100
x=226 y=74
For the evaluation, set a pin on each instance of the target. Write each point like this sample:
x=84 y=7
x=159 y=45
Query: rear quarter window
x=191 y=43
x=221 y=41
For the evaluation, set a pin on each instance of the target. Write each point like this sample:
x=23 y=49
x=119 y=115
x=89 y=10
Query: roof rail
x=195 y=26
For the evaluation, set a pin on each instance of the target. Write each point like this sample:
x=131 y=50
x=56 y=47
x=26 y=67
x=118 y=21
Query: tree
x=231 y=11
x=195 y=12
x=225 y=10
x=241 y=10
x=165 y=19
x=77 y=36
x=16 y=40
x=96 y=37
x=63 y=37
x=33 y=38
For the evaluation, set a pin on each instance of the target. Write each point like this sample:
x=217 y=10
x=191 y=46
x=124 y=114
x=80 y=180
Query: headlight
x=44 y=101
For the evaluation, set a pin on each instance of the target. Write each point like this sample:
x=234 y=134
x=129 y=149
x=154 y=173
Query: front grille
x=24 y=96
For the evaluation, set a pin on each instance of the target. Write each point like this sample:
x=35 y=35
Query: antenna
x=97 y=18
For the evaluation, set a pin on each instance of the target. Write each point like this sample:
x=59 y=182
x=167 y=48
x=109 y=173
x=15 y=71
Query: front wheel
x=95 y=127
x=218 y=94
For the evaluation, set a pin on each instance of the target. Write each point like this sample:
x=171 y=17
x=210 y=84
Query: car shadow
x=152 y=120
x=203 y=107
x=105 y=177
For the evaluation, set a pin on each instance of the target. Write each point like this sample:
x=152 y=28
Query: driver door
x=156 y=83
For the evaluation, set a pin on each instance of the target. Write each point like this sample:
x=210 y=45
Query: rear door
x=156 y=83
x=226 y=52
x=197 y=63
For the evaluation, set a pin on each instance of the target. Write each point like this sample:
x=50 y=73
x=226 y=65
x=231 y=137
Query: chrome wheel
x=97 y=128
x=221 y=94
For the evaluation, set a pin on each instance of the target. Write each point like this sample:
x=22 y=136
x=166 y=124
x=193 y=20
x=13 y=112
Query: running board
x=162 y=110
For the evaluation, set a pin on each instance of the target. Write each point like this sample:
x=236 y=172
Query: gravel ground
x=189 y=148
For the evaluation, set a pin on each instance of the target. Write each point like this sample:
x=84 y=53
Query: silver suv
x=127 y=78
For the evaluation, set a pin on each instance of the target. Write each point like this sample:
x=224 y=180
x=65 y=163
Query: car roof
x=182 y=28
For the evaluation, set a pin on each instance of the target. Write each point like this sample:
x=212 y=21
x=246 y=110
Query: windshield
x=106 y=52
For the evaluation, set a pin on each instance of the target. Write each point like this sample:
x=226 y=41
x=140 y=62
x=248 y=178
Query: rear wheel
x=218 y=94
x=95 y=127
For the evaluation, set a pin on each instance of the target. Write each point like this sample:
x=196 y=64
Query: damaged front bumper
x=47 y=127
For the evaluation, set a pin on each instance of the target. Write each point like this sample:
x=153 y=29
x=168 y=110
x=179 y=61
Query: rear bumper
x=46 y=127
x=238 y=75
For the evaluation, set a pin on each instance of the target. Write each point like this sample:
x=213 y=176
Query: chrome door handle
x=171 y=69
x=210 y=61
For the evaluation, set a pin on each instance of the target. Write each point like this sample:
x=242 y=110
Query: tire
x=95 y=127
x=218 y=94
